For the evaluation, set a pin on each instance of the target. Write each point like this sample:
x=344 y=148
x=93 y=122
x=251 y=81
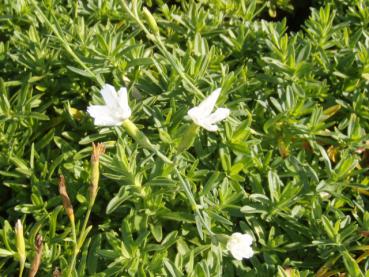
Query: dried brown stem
x=37 y=259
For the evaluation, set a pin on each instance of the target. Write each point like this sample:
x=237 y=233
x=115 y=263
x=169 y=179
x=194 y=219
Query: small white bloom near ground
x=240 y=246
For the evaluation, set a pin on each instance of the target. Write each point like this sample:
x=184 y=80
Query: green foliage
x=289 y=166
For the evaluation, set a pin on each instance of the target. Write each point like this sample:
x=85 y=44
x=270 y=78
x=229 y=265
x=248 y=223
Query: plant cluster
x=166 y=192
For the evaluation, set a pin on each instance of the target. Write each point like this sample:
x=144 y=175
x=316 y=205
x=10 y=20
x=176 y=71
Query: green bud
x=21 y=247
x=142 y=139
x=137 y=135
x=97 y=151
x=151 y=20
x=188 y=138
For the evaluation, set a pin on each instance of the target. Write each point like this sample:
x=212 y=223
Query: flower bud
x=37 y=259
x=151 y=21
x=65 y=197
x=21 y=247
x=97 y=151
x=137 y=135
x=188 y=138
x=142 y=139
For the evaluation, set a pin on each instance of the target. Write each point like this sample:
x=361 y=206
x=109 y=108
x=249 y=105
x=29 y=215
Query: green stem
x=163 y=157
x=21 y=268
x=73 y=259
x=74 y=234
x=189 y=194
x=72 y=263
x=78 y=244
x=87 y=217
x=157 y=40
x=75 y=7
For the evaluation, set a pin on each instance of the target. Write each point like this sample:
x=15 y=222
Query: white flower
x=240 y=246
x=202 y=116
x=115 y=110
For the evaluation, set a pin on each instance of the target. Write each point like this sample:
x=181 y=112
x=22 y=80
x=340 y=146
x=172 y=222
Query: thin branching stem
x=155 y=38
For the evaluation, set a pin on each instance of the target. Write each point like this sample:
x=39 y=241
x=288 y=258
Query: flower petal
x=218 y=115
x=207 y=105
x=195 y=114
x=248 y=253
x=209 y=127
x=237 y=255
x=102 y=115
x=123 y=97
x=110 y=95
x=247 y=239
x=123 y=102
x=240 y=246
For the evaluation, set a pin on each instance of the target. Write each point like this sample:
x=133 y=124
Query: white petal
x=110 y=95
x=247 y=239
x=248 y=253
x=102 y=115
x=237 y=255
x=240 y=246
x=107 y=121
x=209 y=127
x=218 y=115
x=209 y=102
x=235 y=237
x=123 y=97
x=195 y=114
x=123 y=102
x=97 y=110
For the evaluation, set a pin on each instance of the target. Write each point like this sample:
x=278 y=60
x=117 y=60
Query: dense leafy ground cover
x=288 y=166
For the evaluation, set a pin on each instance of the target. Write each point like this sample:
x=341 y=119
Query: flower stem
x=78 y=244
x=21 y=268
x=74 y=234
x=75 y=251
x=189 y=194
x=97 y=151
x=160 y=45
